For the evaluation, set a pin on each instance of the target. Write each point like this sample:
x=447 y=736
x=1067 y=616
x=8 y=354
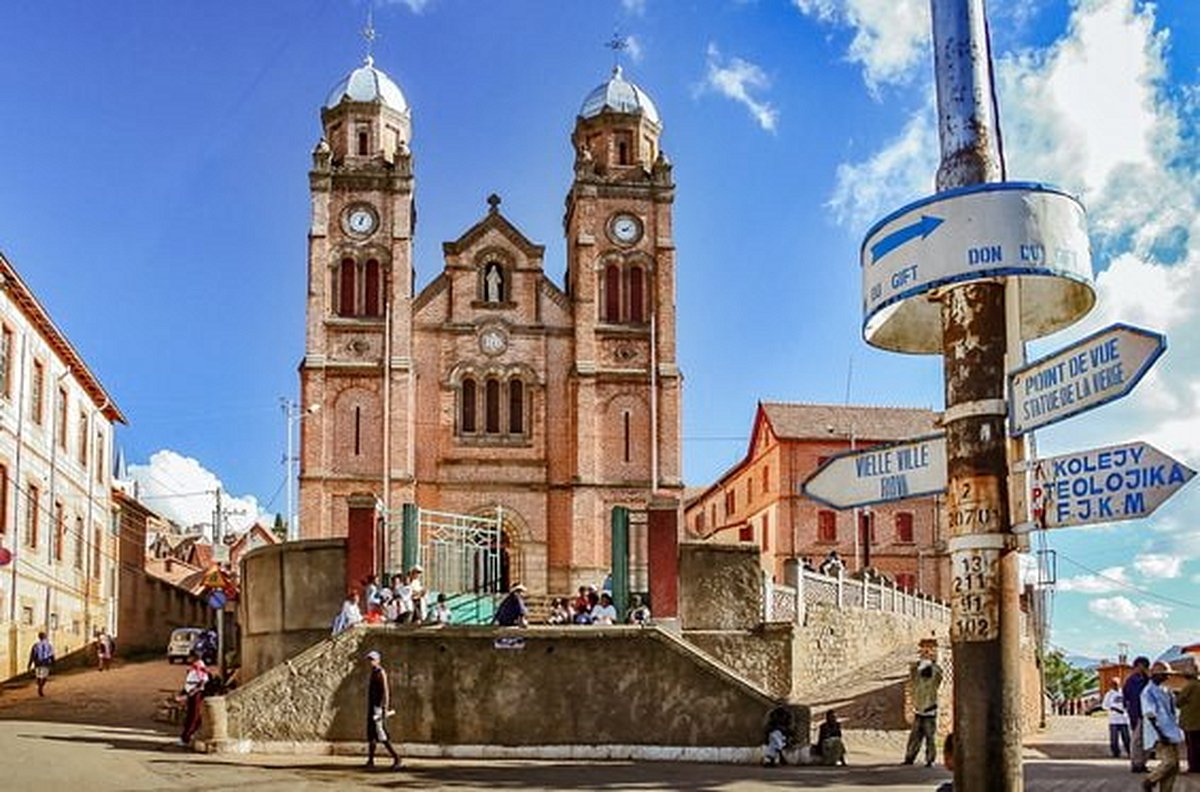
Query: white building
x=56 y=516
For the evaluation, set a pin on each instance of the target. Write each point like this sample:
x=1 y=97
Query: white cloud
x=1158 y=565
x=1146 y=619
x=635 y=7
x=416 y=6
x=736 y=79
x=182 y=490
x=633 y=45
x=1108 y=581
x=891 y=37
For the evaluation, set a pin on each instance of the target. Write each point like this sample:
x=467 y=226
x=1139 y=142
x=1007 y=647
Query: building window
x=467 y=419
x=98 y=539
x=516 y=407
x=6 y=348
x=766 y=476
x=730 y=503
x=27 y=615
x=637 y=295
x=347 y=281
x=491 y=406
x=906 y=581
x=826 y=526
x=700 y=522
x=60 y=529
x=60 y=419
x=37 y=393
x=493 y=285
x=3 y=499
x=79 y=552
x=625 y=420
x=372 y=304
x=32 y=505
x=364 y=140
x=866 y=528
x=766 y=533
x=100 y=455
x=623 y=294
x=83 y=438
x=357 y=430
x=746 y=533
x=904 y=527
x=713 y=516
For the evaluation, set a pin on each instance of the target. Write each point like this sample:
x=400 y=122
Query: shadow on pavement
x=123 y=741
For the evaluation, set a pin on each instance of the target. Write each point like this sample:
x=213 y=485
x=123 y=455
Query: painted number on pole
x=1101 y=368
x=973 y=600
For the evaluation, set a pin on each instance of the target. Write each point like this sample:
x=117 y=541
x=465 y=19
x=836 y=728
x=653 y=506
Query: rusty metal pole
x=985 y=624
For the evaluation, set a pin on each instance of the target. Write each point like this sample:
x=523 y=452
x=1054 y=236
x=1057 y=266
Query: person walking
x=41 y=657
x=926 y=681
x=1188 y=700
x=1118 y=720
x=379 y=701
x=194 y=683
x=1161 y=729
x=1131 y=692
x=104 y=651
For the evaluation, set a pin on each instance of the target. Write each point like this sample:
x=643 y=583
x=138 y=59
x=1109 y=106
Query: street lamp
x=293 y=414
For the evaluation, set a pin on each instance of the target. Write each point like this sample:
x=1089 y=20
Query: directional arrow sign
x=1101 y=368
x=893 y=471
x=1121 y=482
x=1005 y=229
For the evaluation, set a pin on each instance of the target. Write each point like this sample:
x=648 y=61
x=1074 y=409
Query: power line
x=1130 y=586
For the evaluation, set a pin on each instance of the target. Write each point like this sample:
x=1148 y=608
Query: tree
x=1065 y=682
x=280 y=527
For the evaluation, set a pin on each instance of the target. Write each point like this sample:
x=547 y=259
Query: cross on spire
x=617 y=44
x=369 y=34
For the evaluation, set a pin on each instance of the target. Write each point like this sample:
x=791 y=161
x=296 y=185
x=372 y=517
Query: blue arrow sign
x=922 y=228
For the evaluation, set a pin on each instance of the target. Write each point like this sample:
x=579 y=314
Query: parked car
x=183 y=639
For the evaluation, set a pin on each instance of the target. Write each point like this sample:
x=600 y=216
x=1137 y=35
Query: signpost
x=1103 y=485
x=894 y=471
x=1103 y=367
x=997 y=229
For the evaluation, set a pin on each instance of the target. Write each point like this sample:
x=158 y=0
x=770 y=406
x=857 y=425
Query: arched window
x=516 y=406
x=637 y=299
x=347 y=283
x=467 y=420
x=363 y=140
x=491 y=399
x=372 y=291
x=612 y=293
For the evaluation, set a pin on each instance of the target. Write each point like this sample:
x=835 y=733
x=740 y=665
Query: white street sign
x=1121 y=482
x=893 y=471
x=1004 y=229
x=220 y=553
x=1101 y=368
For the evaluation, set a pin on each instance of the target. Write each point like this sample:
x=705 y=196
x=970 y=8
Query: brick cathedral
x=492 y=385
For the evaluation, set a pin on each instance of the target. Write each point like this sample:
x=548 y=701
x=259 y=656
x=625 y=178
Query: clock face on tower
x=360 y=220
x=625 y=228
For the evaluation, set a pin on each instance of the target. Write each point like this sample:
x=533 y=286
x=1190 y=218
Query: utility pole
x=985 y=631
x=219 y=541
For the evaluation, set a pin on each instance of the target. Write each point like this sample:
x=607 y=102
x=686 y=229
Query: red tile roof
x=790 y=421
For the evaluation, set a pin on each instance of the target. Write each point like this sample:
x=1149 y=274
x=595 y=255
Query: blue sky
x=154 y=194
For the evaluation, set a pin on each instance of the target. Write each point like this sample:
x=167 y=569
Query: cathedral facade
x=492 y=386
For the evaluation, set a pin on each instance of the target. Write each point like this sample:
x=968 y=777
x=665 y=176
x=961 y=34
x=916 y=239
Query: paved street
x=96 y=732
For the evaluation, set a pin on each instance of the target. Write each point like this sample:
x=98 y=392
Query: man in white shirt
x=1161 y=729
x=1118 y=719
x=604 y=612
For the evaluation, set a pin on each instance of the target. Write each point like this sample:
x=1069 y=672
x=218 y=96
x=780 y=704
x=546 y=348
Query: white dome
x=621 y=96
x=367 y=84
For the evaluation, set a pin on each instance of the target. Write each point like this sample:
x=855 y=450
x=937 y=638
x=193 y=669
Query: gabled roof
x=494 y=220
x=25 y=300
x=790 y=421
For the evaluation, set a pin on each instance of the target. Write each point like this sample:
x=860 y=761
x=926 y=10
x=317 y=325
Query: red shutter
x=346 y=288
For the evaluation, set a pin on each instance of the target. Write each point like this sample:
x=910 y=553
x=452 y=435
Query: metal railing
x=789 y=603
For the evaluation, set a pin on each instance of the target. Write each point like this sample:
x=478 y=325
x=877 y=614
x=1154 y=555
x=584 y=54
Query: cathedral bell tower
x=357 y=365
x=621 y=282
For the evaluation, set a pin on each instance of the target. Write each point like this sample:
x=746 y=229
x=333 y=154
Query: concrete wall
x=456 y=686
x=763 y=655
x=720 y=587
x=291 y=593
x=151 y=608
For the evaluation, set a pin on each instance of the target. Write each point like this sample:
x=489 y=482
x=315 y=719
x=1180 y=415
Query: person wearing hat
x=512 y=611
x=1188 y=700
x=1160 y=729
x=378 y=709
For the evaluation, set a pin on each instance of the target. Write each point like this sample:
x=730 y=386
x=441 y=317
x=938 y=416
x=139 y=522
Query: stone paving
x=119 y=747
